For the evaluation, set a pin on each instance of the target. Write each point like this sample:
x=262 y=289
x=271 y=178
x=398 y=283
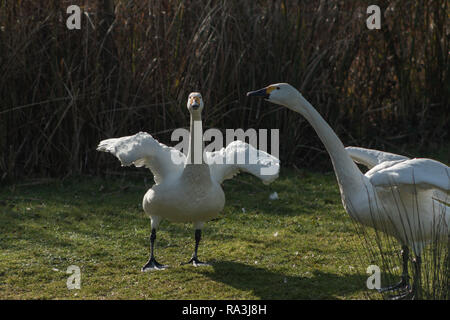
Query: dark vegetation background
x=133 y=63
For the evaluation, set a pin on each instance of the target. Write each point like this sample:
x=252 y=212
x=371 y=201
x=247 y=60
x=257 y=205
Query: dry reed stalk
x=63 y=91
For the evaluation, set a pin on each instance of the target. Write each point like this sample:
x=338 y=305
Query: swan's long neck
x=196 y=171
x=196 y=143
x=350 y=178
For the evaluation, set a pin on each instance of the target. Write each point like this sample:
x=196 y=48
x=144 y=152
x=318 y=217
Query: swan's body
x=408 y=200
x=405 y=198
x=407 y=191
x=187 y=189
x=206 y=198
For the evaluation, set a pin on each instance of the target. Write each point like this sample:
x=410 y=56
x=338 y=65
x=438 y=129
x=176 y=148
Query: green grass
x=302 y=246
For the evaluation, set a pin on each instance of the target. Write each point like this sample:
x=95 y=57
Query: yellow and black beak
x=264 y=92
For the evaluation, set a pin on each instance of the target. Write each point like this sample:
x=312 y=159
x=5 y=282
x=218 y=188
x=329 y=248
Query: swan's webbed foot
x=152 y=264
x=404 y=289
x=407 y=295
x=403 y=285
x=195 y=262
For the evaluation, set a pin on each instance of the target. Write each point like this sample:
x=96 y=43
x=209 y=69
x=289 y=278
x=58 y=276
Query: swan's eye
x=278 y=88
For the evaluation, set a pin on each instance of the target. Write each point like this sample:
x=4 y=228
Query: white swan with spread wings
x=188 y=189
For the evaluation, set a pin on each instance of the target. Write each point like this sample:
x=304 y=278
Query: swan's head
x=279 y=93
x=195 y=103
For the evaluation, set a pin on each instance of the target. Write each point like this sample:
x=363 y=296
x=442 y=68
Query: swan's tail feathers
x=240 y=156
x=370 y=158
x=142 y=150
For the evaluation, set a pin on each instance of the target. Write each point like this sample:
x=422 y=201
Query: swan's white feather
x=224 y=163
x=142 y=150
x=370 y=158
x=423 y=173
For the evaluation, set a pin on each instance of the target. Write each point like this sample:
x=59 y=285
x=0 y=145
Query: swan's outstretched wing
x=370 y=158
x=419 y=173
x=421 y=186
x=240 y=156
x=141 y=150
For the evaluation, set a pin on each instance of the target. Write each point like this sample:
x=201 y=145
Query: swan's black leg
x=194 y=260
x=152 y=264
x=404 y=282
x=413 y=293
x=417 y=283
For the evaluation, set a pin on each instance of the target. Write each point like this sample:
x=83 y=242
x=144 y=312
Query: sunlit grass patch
x=301 y=246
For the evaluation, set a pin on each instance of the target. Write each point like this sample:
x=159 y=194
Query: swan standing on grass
x=376 y=161
x=188 y=189
x=372 y=199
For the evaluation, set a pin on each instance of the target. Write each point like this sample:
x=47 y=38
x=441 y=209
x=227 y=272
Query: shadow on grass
x=272 y=285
